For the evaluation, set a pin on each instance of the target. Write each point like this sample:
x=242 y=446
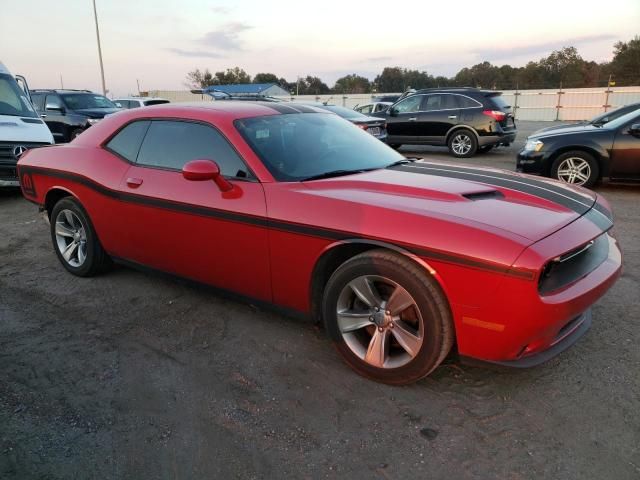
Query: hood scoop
x=486 y=195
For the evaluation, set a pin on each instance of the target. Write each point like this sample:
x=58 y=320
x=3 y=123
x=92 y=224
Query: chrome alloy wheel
x=461 y=144
x=71 y=238
x=380 y=321
x=574 y=170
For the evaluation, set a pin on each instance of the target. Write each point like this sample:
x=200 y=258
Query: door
x=402 y=120
x=54 y=116
x=625 y=155
x=439 y=113
x=191 y=228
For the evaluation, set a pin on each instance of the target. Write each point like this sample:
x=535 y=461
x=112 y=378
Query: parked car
x=583 y=154
x=136 y=102
x=386 y=98
x=598 y=120
x=373 y=107
x=20 y=127
x=68 y=113
x=467 y=120
x=373 y=125
x=400 y=259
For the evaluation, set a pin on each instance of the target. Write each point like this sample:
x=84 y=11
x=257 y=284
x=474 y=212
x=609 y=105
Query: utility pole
x=138 y=82
x=297 y=86
x=95 y=15
x=61 y=83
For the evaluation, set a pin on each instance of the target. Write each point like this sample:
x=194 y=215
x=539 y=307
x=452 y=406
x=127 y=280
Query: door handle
x=452 y=117
x=134 y=182
x=43 y=115
x=413 y=119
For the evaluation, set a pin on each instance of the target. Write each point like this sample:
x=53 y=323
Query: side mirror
x=54 y=107
x=393 y=112
x=118 y=104
x=203 y=170
x=635 y=130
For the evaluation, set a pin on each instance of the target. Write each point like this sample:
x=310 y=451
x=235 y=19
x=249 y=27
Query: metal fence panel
x=546 y=104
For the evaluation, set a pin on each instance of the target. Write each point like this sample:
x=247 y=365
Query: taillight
x=363 y=126
x=495 y=114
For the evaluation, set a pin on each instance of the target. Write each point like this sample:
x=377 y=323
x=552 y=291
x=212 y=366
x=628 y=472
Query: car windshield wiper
x=334 y=173
x=404 y=161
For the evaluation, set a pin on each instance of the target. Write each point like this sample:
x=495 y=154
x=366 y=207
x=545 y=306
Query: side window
x=409 y=104
x=127 y=141
x=466 y=102
x=365 y=109
x=171 y=144
x=38 y=101
x=134 y=103
x=53 y=101
x=432 y=102
x=123 y=103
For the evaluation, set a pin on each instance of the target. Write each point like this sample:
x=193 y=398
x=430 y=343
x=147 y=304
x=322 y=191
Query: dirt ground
x=131 y=376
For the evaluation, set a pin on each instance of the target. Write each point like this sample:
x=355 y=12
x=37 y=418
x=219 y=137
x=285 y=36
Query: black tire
x=578 y=156
x=438 y=336
x=462 y=135
x=74 y=133
x=485 y=148
x=96 y=259
x=395 y=146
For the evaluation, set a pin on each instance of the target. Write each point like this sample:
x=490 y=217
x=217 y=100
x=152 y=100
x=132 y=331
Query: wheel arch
x=53 y=196
x=455 y=128
x=601 y=157
x=339 y=252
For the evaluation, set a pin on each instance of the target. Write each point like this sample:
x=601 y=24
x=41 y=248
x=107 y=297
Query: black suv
x=68 y=113
x=467 y=120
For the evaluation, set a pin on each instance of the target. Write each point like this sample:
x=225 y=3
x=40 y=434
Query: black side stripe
x=280 y=225
x=577 y=203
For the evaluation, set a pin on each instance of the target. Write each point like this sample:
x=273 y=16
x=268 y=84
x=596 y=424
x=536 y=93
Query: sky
x=156 y=42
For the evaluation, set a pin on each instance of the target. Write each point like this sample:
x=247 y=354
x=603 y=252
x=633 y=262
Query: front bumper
x=8 y=175
x=531 y=162
x=566 y=339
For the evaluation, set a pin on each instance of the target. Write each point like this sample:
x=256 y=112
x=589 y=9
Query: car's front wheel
x=388 y=318
x=462 y=143
x=576 y=168
x=74 y=239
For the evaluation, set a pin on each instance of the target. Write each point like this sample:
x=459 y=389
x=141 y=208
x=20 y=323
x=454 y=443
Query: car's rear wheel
x=576 y=168
x=74 y=239
x=388 y=318
x=462 y=143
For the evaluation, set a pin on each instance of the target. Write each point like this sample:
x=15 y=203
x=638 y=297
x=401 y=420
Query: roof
x=4 y=69
x=145 y=99
x=243 y=87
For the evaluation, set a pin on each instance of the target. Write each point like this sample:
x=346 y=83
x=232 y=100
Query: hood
x=566 y=129
x=554 y=128
x=24 y=129
x=486 y=198
x=97 y=112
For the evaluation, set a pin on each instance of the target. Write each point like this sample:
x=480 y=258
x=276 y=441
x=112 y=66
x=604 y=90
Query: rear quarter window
x=126 y=143
x=500 y=103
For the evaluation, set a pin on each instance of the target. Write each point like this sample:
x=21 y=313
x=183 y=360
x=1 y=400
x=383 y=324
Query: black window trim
x=480 y=105
x=251 y=177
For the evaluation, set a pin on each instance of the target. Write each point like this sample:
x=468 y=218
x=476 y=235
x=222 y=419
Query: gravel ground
x=131 y=376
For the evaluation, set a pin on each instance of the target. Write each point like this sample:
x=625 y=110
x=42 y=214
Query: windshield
x=620 y=121
x=613 y=114
x=80 y=101
x=301 y=145
x=13 y=100
x=344 y=112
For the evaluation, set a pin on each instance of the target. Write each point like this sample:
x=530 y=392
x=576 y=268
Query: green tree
x=625 y=65
x=231 y=76
x=564 y=66
x=390 y=80
x=310 y=85
x=199 y=79
x=265 y=78
x=352 y=84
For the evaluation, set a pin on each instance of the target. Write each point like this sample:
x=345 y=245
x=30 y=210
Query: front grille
x=7 y=149
x=573 y=265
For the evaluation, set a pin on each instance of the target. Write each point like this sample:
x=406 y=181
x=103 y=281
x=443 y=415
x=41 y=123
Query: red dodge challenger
x=293 y=206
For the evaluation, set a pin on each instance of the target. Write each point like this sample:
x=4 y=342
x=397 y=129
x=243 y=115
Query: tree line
x=562 y=68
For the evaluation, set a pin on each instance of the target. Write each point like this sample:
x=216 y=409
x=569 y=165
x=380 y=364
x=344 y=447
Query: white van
x=20 y=126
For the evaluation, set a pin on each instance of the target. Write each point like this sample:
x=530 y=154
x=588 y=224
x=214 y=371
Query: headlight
x=533 y=145
x=93 y=121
